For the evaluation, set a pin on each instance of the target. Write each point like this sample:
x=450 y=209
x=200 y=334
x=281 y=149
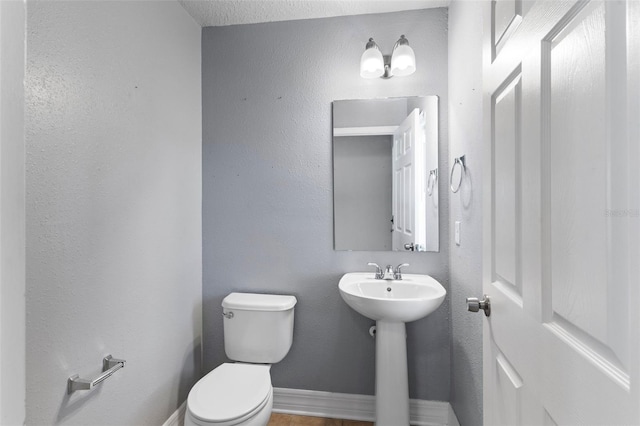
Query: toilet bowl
x=258 y=331
x=232 y=394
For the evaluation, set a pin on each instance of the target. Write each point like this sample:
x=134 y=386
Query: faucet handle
x=379 y=271
x=397 y=273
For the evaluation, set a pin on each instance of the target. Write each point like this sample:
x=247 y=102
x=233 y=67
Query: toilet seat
x=230 y=394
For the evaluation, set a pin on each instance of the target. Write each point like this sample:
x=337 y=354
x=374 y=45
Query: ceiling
x=213 y=13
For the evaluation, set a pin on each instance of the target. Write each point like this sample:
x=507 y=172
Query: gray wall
x=465 y=138
x=267 y=189
x=113 y=123
x=362 y=175
x=12 y=193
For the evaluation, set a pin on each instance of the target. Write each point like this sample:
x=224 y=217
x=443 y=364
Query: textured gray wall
x=267 y=189
x=12 y=193
x=465 y=138
x=113 y=123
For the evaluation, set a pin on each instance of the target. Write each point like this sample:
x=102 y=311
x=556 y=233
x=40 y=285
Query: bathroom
x=151 y=166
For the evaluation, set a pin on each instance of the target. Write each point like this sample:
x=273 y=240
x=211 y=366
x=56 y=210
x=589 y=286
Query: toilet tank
x=258 y=328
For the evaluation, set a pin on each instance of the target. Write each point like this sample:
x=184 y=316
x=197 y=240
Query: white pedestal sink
x=391 y=303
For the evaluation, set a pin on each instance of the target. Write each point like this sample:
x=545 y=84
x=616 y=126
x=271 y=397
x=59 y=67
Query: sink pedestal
x=392 y=380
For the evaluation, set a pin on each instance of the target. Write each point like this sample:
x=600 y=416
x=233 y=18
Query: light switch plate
x=456 y=231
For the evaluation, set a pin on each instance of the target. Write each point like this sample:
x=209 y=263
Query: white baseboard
x=177 y=418
x=356 y=407
x=343 y=406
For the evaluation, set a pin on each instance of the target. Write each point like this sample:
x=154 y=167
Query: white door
x=561 y=212
x=409 y=180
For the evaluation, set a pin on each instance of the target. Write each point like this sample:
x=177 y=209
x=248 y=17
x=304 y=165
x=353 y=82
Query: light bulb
x=371 y=62
x=403 y=60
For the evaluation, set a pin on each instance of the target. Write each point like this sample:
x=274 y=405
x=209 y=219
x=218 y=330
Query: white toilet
x=258 y=331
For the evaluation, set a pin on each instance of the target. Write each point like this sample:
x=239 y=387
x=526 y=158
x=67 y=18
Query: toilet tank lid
x=259 y=302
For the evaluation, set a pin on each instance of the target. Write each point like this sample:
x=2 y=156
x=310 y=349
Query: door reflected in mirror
x=385 y=174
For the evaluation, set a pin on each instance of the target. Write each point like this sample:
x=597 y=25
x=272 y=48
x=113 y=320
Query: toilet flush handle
x=227 y=315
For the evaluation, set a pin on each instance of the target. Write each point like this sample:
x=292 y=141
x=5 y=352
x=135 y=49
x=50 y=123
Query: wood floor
x=291 y=420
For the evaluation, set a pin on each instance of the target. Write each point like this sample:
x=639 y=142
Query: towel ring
x=431 y=183
x=463 y=170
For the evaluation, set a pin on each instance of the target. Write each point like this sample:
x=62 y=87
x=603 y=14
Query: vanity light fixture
x=401 y=62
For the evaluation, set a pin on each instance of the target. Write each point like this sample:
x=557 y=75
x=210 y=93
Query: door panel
x=561 y=345
x=507 y=16
x=408 y=182
x=508 y=392
x=506 y=210
x=577 y=155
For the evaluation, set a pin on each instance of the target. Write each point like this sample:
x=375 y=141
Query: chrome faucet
x=388 y=271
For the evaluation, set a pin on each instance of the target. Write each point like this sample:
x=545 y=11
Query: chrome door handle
x=409 y=246
x=474 y=305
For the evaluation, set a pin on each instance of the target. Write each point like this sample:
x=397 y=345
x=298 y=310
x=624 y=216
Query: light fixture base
x=387 y=67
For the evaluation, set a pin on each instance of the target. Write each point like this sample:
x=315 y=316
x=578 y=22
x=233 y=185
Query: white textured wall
x=12 y=233
x=113 y=208
x=465 y=138
x=267 y=189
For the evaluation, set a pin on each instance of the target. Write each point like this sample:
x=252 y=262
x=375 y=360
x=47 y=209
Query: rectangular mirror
x=385 y=174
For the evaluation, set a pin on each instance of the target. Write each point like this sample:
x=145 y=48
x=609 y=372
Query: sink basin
x=409 y=299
